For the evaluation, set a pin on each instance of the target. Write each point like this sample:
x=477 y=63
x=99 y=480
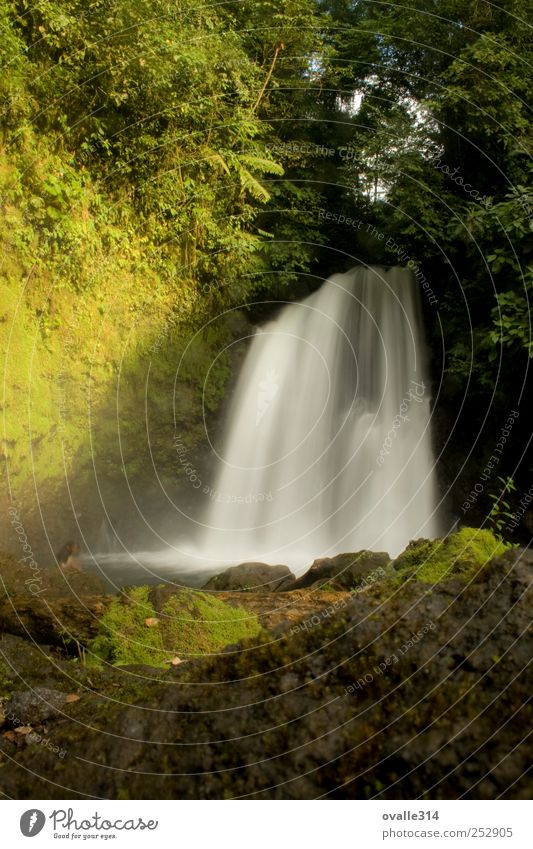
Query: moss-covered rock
x=188 y=624
x=461 y=555
x=65 y=611
x=402 y=692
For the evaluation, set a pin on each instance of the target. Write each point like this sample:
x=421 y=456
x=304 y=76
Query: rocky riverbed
x=365 y=678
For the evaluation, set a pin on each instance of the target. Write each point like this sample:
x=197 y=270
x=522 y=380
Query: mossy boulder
x=139 y=627
x=461 y=555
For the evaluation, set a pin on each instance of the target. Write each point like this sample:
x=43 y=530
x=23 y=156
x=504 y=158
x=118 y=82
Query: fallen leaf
x=151 y=621
x=72 y=697
x=10 y=735
x=23 y=729
x=175 y=661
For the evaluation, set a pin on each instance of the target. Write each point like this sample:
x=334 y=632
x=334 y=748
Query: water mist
x=328 y=446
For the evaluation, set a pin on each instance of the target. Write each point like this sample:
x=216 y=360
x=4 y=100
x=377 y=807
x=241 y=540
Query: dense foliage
x=133 y=169
x=157 y=105
x=441 y=162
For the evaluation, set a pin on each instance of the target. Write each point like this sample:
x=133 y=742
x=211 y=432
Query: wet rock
x=23 y=662
x=35 y=580
x=48 y=605
x=345 y=571
x=61 y=621
x=253 y=577
x=275 y=611
x=34 y=706
x=278 y=612
x=415 y=553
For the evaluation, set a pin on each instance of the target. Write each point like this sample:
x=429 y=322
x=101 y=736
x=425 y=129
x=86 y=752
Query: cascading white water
x=328 y=445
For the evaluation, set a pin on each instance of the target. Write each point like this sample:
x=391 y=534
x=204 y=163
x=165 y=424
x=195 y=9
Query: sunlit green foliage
x=136 y=159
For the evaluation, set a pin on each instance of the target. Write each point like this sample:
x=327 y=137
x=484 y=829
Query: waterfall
x=327 y=447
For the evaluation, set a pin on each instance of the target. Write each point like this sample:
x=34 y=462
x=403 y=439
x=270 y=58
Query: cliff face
x=398 y=691
x=93 y=331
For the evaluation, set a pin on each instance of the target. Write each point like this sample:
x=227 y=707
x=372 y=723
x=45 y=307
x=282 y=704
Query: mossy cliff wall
x=93 y=329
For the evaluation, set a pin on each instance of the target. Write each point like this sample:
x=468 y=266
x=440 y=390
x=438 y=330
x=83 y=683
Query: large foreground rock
x=397 y=692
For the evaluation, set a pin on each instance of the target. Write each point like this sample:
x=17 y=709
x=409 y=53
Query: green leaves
x=154 y=101
x=500 y=514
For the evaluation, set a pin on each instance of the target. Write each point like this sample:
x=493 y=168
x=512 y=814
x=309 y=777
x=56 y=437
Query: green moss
x=416 y=555
x=189 y=624
x=461 y=555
